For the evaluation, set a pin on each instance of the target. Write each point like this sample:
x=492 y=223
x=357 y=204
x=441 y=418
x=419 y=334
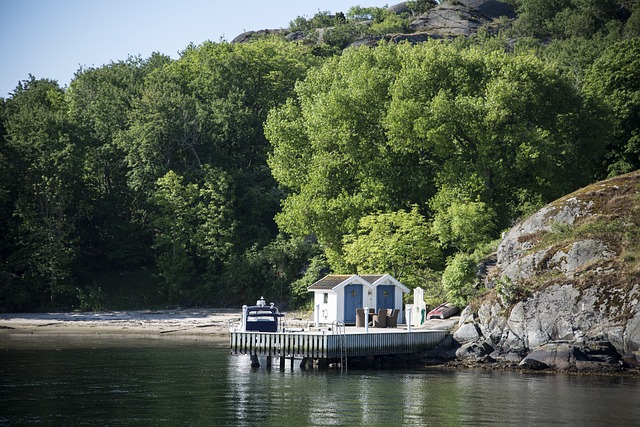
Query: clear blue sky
x=53 y=38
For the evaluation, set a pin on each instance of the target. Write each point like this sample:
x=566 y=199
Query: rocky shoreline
x=448 y=356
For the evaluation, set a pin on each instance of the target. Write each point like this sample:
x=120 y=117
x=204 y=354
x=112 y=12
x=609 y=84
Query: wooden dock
x=323 y=345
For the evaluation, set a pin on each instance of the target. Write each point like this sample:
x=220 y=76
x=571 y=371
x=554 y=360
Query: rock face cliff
x=445 y=19
x=462 y=17
x=565 y=290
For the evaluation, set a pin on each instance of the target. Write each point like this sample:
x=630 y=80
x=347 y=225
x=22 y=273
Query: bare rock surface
x=565 y=290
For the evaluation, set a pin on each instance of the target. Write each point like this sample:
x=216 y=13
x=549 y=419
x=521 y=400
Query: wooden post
x=282 y=363
x=268 y=362
x=255 y=363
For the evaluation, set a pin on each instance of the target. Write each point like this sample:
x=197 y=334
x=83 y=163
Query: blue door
x=385 y=297
x=352 y=300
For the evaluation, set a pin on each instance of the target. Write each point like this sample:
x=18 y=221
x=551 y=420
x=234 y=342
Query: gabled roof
x=372 y=278
x=333 y=281
x=329 y=282
x=384 y=278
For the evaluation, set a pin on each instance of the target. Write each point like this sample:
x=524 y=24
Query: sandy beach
x=93 y=328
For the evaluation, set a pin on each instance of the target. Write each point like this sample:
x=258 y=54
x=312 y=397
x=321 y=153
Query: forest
x=248 y=169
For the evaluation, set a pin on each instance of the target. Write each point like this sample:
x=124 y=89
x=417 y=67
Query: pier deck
x=324 y=344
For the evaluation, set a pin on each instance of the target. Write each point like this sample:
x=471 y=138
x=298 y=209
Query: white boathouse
x=337 y=296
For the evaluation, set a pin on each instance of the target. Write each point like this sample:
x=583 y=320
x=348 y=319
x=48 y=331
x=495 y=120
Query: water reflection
x=183 y=384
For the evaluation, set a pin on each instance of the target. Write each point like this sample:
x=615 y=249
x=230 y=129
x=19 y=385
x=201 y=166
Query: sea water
x=135 y=381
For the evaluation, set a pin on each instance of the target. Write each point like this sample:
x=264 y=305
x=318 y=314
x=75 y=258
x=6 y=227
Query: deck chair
x=359 y=317
x=392 y=317
x=380 y=319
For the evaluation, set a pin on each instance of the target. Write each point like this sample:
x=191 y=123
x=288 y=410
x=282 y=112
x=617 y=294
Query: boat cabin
x=260 y=317
x=338 y=296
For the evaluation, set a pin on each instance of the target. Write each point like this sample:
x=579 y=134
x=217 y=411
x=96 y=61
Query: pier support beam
x=255 y=363
x=303 y=363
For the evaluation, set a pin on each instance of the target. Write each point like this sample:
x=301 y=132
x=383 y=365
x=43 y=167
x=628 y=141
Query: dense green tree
x=100 y=101
x=614 y=80
x=269 y=271
x=480 y=135
x=565 y=18
x=204 y=112
x=330 y=152
x=504 y=130
x=194 y=229
x=45 y=152
x=398 y=243
x=459 y=279
x=10 y=292
x=163 y=174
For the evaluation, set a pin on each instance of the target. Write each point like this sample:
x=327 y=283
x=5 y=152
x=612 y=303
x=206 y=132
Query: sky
x=53 y=38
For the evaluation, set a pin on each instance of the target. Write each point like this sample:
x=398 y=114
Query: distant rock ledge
x=457 y=18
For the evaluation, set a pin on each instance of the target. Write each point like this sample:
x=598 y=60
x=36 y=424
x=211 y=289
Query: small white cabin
x=337 y=296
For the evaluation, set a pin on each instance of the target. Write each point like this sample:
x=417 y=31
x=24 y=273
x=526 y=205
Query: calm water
x=138 y=382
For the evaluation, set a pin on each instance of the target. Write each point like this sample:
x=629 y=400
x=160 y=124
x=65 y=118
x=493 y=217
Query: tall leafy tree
x=503 y=130
x=194 y=229
x=330 y=149
x=399 y=243
x=614 y=81
x=204 y=112
x=48 y=202
x=565 y=18
x=100 y=101
x=471 y=136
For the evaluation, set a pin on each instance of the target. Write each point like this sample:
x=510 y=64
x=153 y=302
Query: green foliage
x=270 y=271
x=459 y=278
x=475 y=136
x=141 y=163
x=328 y=147
x=193 y=225
x=319 y=20
x=42 y=147
x=342 y=35
x=100 y=100
x=506 y=123
x=339 y=31
x=392 y=157
x=632 y=26
x=614 y=80
x=90 y=298
x=390 y=23
x=564 y=18
x=300 y=295
x=461 y=223
x=418 y=7
x=398 y=243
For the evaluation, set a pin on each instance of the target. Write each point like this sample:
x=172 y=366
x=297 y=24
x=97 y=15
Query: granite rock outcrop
x=565 y=290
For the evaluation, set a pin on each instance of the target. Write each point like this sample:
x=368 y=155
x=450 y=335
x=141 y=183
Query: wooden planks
x=314 y=345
